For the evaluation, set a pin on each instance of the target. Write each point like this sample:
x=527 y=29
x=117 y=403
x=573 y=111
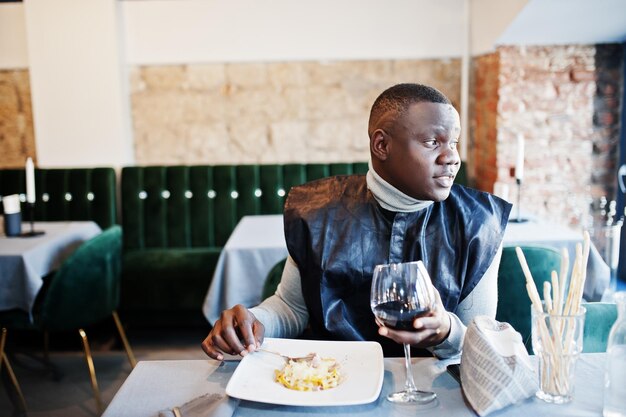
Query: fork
x=288 y=358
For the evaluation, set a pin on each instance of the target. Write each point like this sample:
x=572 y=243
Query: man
x=405 y=209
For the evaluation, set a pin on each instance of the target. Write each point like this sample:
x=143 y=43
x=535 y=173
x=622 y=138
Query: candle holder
x=31 y=219
x=518 y=218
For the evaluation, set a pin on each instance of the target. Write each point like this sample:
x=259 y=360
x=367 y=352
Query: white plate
x=362 y=368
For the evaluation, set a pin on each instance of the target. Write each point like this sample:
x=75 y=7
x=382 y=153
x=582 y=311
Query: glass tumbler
x=615 y=372
x=606 y=239
x=557 y=341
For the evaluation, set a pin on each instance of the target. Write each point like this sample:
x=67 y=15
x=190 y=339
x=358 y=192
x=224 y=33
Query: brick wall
x=483 y=121
x=547 y=95
x=241 y=113
x=268 y=112
x=17 y=140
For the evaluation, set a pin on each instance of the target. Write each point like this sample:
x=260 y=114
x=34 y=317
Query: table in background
x=255 y=246
x=24 y=261
x=159 y=385
x=258 y=243
x=540 y=232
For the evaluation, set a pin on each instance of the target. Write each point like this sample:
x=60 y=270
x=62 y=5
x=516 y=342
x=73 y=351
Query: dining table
x=155 y=387
x=26 y=260
x=257 y=243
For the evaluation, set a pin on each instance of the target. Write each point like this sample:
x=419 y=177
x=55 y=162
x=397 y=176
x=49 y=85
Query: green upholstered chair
x=273 y=279
x=513 y=301
x=598 y=321
x=84 y=291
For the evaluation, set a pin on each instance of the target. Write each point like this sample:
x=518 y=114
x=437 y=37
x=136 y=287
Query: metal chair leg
x=3 y=339
x=120 y=329
x=12 y=377
x=92 y=370
x=16 y=384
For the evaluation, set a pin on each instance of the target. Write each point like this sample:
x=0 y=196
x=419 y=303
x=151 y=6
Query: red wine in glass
x=398 y=315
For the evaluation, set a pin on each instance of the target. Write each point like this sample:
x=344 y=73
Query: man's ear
x=379 y=144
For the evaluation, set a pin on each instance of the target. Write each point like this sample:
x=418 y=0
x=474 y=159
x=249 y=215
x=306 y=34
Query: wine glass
x=401 y=292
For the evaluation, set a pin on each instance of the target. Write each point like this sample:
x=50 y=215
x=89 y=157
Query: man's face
x=417 y=152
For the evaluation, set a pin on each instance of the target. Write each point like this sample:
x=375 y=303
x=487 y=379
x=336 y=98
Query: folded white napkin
x=495 y=367
x=207 y=405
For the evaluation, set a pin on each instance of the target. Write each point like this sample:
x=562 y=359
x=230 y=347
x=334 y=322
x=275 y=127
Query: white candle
x=519 y=164
x=30 y=181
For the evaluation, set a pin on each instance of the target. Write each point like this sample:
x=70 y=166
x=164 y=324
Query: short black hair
x=399 y=97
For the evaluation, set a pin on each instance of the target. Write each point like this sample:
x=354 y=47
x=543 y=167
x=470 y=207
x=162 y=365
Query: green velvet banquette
x=176 y=219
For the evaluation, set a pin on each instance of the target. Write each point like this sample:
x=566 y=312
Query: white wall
x=13 y=52
x=188 y=31
x=80 y=108
x=184 y=31
x=489 y=19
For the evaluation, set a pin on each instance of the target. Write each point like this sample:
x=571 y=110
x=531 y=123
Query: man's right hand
x=236 y=332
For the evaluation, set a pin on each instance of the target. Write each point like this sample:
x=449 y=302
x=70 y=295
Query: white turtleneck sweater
x=285 y=314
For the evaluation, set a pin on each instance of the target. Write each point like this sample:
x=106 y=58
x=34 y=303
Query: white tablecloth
x=258 y=243
x=254 y=247
x=24 y=261
x=158 y=385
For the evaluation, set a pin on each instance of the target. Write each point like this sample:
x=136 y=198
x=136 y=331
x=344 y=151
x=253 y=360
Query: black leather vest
x=337 y=233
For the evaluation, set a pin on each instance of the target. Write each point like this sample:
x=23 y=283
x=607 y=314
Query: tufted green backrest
x=67 y=193
x=199 y=206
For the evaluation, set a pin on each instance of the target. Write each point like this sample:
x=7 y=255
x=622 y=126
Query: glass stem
x=409 y=384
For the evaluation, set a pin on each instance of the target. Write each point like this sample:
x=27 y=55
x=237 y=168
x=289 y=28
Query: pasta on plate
x=312 y=373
